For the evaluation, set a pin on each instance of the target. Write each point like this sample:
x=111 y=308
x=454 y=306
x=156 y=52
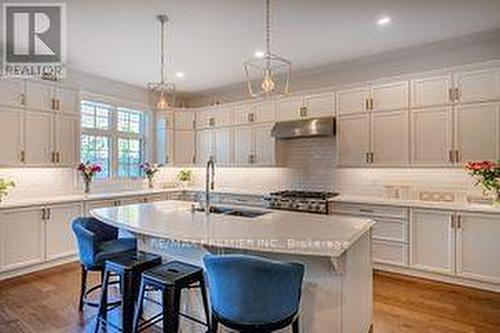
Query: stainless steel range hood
x=304 y=128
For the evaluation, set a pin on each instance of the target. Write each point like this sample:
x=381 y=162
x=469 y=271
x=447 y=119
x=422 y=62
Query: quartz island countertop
x=276 y=231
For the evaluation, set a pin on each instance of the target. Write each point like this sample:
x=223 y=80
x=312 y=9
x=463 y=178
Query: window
x=114 y=137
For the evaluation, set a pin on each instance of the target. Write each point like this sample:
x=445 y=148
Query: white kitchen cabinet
x=38 y=138
x=39 y=95
x=431 y=136
x=478 y=85
x=11 y=121
x=432 y=241
x=164 y=146
x=249 y=113
x=389 y=141
x=90 y=205
x=477 y=132
x=478 y=247
x=22 y=238
x=59 y=237
x=389 y=96
x=353 y=140
x=67 y=100
x=431 y=91
x=222 y=146
x=243 y=145
x=264 y=146
x=67 y=140
x=165 y=120
x=184 y=119
x=215 y=116
x=389 y=253
x=12 y=93
x=204 y=146
x=184 y=147
x=353 y=100
x=318 y=105
x=288 y=108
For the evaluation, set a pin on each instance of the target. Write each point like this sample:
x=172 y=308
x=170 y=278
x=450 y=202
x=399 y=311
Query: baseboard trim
x=452 y=280
x=37 y=267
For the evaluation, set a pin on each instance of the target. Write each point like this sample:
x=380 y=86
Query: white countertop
x=277 y=231
x=466 y=207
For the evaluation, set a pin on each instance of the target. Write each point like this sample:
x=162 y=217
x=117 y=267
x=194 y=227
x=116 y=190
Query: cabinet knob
x=22 y=99
x=211 y=122
x=251 y=117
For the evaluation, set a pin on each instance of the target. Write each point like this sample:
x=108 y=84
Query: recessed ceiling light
x=259 y=54
x=384 y=20
x=180 y=75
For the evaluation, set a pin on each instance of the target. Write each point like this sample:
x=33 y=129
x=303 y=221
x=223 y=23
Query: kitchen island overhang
x=337 y=294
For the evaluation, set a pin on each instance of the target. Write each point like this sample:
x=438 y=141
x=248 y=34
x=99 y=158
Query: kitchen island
x=335 y=249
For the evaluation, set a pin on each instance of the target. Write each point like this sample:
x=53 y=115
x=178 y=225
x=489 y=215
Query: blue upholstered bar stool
x=253 y=294
x=97 y=242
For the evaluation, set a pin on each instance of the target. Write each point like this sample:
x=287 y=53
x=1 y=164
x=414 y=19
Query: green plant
x=185 y=175
x=5 y=186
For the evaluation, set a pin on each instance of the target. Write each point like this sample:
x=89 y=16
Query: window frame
x=113 y=134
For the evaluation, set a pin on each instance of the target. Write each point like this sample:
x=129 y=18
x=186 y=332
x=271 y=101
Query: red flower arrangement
x=88 y=171
x=487 y=174
x=150 y=169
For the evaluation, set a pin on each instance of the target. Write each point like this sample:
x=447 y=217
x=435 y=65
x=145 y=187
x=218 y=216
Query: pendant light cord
x=268 y=26
x=163 y=21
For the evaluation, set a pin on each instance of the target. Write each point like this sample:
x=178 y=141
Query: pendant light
x=267 y=74
x=163 y=91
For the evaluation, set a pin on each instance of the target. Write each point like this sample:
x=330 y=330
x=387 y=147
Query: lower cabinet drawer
x=390 y=229
x=390 y=253
x=369 y=210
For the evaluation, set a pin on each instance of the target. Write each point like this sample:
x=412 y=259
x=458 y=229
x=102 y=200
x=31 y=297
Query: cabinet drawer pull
x=371 y=103
x=459 y=222
x=23 y=99
x=48 y=213
x=457 y=156
x=452 y=222
x=362 y=210
x=303 y=111
x=367 y=104
x=211 y=122
x=451 y=157
x=23 y=156
x=251 y=117
x=43 y=214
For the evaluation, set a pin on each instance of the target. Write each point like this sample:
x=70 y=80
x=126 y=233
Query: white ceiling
x=118 y=39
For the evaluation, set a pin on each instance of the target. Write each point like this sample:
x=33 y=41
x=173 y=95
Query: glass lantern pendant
x=268 y=74
x=162 y=92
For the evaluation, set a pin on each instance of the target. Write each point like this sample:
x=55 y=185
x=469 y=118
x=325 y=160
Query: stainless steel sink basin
x=247 y=213
x=231 y=211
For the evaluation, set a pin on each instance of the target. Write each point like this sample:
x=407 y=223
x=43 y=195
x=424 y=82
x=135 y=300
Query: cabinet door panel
x=10 y=137
x=241 y=114
x=478 y=247
x=431 y=91
x=432 y=241
x=164 y=146
x=242 y=145
x=264 y=112
x=22 y=238
x=391 y=253
x=184 y=119
x=322 y=105
x=288 y=108
x=389 y=138
x=38 y=138
x=264 y=145
x=478 y=86
x=353 y=139
x=432 y=136
x=11 y=93
x=222 y=140
x=204 y=146
x=184 y=147
x=352 y=100
x=391 y=96
x=67 y=135
x=60 y=240
x=39 y=96
x=477 y=132
x=69 y=100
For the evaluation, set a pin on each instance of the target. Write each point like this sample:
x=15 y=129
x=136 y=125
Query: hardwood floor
x=46 y=302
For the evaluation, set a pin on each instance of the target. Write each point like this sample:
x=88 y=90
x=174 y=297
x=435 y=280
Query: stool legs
x=138 y=307
x=171 y=309
x=204 y=298
x=128 y=302
x=83 y=287
x=214 y=325
x=102 y=312
x=295 y=326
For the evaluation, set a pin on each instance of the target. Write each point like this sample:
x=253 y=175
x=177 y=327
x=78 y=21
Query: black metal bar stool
x=129 y=269
x=171 y=278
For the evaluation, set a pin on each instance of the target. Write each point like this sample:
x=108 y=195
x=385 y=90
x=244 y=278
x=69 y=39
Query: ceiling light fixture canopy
x=163 y=92
x=267 y=74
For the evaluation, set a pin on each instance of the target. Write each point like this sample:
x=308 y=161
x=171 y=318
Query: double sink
x=233 y=211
